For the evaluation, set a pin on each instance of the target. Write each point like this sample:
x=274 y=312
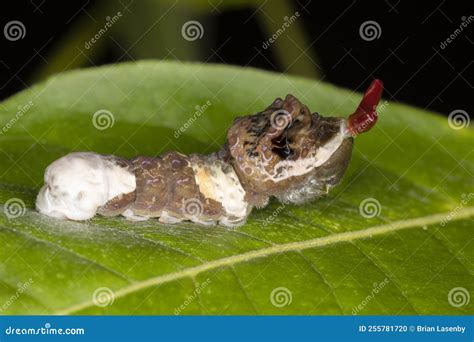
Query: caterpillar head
x=290 y=153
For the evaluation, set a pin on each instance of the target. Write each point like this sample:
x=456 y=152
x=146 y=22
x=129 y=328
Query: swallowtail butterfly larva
x=285 y=152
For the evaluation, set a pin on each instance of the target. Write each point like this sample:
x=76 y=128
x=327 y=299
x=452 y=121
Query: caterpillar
x=285 y=152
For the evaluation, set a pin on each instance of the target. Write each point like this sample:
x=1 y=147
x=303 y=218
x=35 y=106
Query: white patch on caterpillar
x=292 y=168
x=224 y=188
x=77 y=184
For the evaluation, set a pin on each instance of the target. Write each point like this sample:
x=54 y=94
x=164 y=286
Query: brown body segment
x=176 y=187
x=285 y=131
x=166 y=188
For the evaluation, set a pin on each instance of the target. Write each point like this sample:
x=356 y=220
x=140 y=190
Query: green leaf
x=414 y=257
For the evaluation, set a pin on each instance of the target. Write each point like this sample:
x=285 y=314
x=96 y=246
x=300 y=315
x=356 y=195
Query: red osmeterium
x=366 y=116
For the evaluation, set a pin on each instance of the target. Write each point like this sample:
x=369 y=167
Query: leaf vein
x=282 y=248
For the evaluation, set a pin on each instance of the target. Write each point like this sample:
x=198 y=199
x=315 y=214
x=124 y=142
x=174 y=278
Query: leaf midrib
x=280 y=248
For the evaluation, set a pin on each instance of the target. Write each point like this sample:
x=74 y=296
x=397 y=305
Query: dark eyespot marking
x=281 y=146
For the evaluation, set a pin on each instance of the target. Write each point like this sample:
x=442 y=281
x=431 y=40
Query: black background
x=407 y=56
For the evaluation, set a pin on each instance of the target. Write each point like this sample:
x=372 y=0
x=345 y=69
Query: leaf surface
x=323 y=257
